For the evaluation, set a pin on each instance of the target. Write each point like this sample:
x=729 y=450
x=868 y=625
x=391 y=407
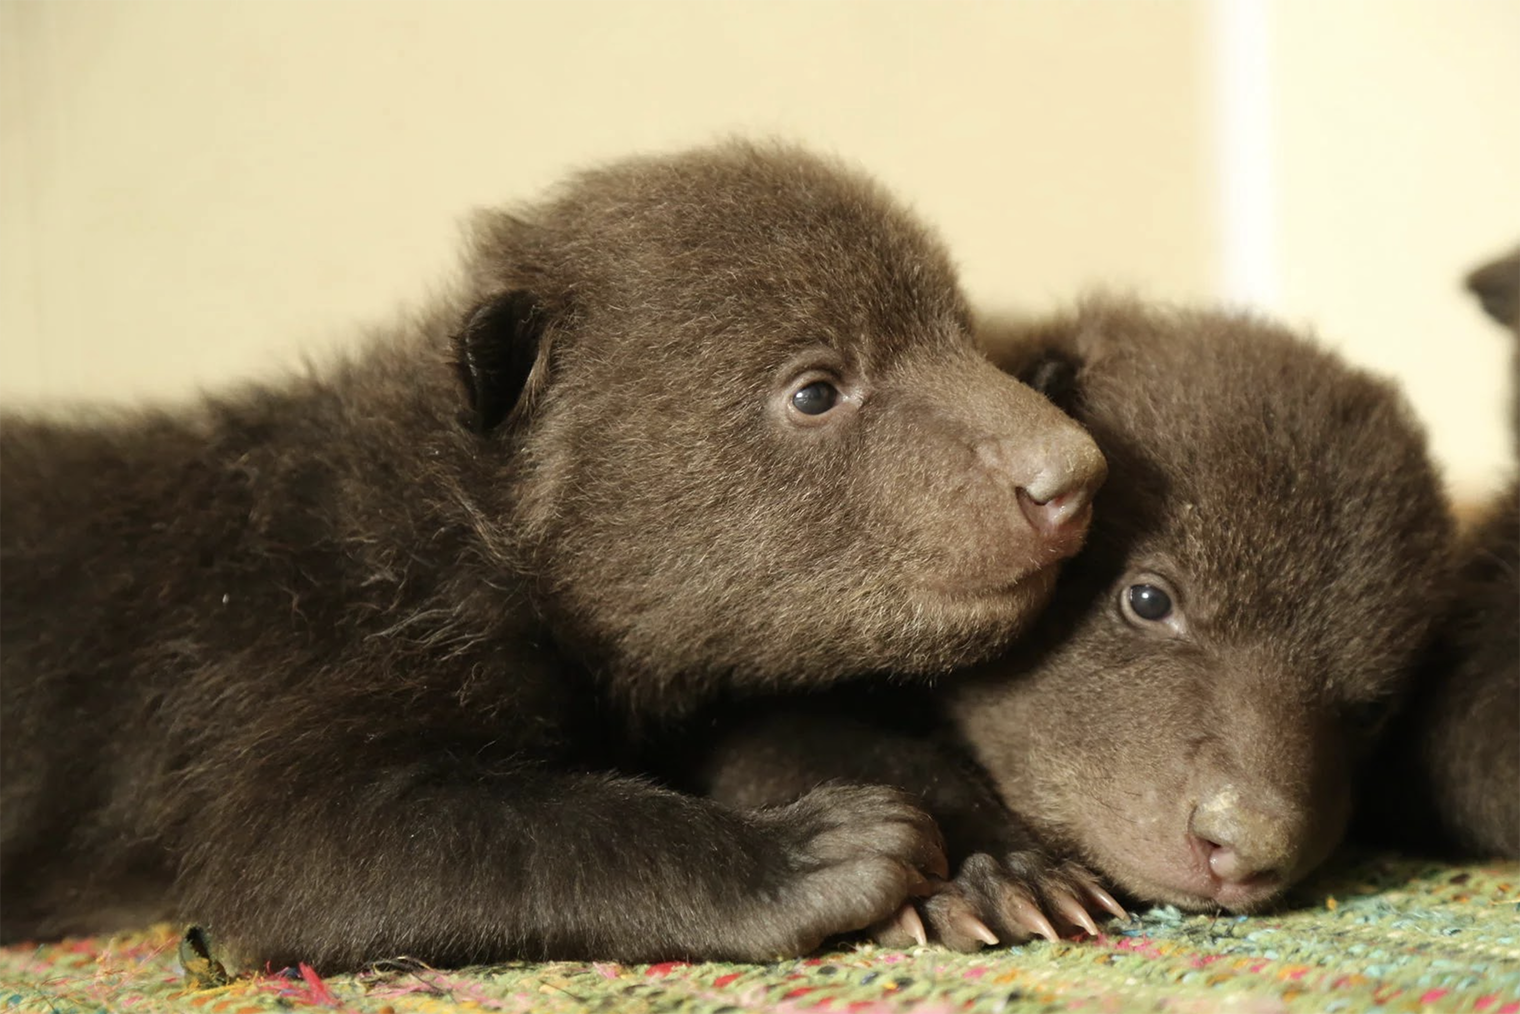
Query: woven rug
x=1371 y=934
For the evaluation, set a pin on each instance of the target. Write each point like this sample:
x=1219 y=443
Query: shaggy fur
x=1286 y=505
x=1449 y=778
x=351 y=666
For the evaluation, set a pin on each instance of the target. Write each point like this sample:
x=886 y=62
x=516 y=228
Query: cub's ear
x=498 y=353
x=1042 y=354
x=1497 y=286
x=1053 y=374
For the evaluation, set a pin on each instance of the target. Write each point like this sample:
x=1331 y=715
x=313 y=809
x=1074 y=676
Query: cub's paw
x=848 y=857
x=1010 y=900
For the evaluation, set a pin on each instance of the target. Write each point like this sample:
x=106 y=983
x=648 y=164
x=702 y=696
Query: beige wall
x=1397 y=128
x=196 y=191
x=197 y=184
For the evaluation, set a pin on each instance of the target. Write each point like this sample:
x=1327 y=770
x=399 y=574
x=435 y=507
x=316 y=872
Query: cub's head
x=1263 y=566
x=743 y=429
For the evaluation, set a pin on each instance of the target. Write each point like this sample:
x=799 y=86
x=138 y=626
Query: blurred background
x=192 y=192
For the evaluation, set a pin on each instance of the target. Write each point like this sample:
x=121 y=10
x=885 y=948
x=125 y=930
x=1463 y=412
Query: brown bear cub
x=1448 y=780
x=1187 y=718
x=352 y=666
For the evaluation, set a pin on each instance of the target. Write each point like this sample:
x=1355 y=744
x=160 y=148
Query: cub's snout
x=1054 y=480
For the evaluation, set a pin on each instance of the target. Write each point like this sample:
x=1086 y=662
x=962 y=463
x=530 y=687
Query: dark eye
x=816 y=398
x=1149 y=602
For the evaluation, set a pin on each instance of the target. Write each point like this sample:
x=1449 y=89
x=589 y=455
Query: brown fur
x=1287 y=504
x=350 y=667
x=1449 y=777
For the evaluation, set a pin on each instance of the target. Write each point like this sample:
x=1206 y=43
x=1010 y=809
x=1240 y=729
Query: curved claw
x=1028 y=914
x=913 y=924
x=974 y=927
x=902 y=930
x=1105 y=899
x=1074 y=913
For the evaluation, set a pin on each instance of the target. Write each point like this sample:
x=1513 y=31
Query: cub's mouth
x=1175 y=877
x=1196 y=874
x=1025 y=563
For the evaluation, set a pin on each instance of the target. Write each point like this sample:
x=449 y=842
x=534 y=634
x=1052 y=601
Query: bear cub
x=353 y=666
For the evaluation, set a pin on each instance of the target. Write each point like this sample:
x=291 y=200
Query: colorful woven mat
x=1375 y=934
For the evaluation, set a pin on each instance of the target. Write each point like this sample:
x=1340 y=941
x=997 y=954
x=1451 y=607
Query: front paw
x=848 y=857
x=1010 y=900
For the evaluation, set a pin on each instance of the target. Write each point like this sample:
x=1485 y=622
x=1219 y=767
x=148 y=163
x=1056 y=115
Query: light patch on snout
x=1222 y=805
x=1152 y=811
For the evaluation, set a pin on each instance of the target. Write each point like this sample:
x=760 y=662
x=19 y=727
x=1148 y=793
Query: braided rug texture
x=1373 y=934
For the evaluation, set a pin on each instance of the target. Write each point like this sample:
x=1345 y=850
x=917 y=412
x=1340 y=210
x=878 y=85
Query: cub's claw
x=1014 y=899
x=903 y=930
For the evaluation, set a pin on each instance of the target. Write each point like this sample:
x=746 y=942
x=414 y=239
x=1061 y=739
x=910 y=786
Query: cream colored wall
x=191 y=192
x=1397 y=130
x=194 y=187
